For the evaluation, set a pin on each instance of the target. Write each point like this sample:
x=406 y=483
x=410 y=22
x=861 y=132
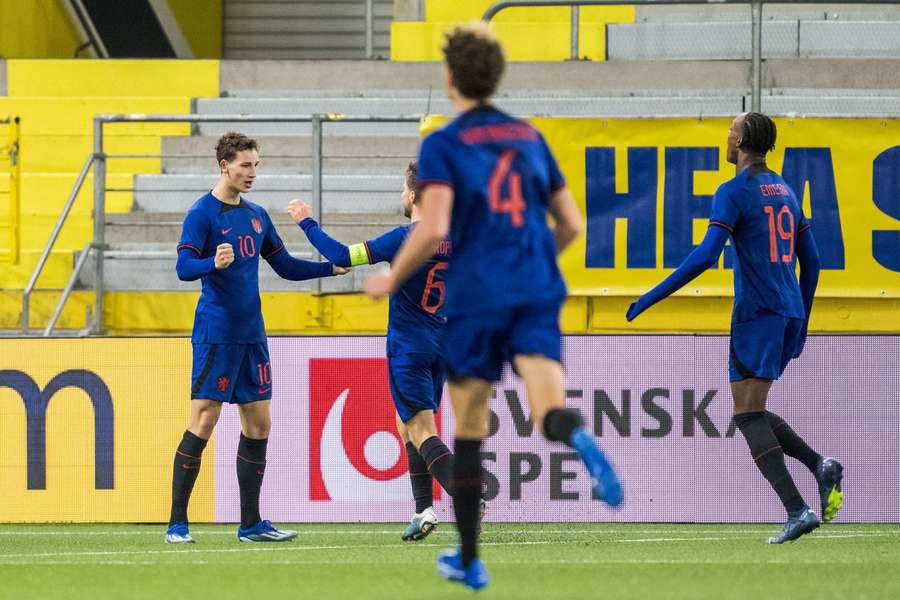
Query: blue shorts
x=417 y=382
x=477 y=346
x=762 y=347
x=236 y=373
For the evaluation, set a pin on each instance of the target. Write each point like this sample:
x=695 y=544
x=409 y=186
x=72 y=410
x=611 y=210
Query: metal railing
x=755 y=17
x=10 y=151
x=98 y=160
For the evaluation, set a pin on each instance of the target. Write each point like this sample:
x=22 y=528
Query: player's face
x=241 y=172
x=734 y=139
x=407 y=198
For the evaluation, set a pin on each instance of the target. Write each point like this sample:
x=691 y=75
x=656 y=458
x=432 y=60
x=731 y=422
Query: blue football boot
x=177 y=533
x=603 y=477
x=263 y=531
x=449 y=566
x=829 y=474
x=797 y=525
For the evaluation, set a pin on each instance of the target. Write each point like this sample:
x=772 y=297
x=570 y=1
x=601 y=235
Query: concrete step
x=353 y=193
x=732 y=40
x=591 y=76
x=282 y=154
x=165 y=228
x=671 y=104
x=771 y=12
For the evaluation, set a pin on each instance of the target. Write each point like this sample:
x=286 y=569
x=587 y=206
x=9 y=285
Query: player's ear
x=223 y=165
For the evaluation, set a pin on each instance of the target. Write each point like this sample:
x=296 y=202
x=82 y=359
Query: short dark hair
x=475 y=60
x=231 y=143
x=758 y=133
x=412 y=177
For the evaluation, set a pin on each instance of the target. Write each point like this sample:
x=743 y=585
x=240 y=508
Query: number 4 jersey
x=764 y=218
x=416 y=314
x=502 y=175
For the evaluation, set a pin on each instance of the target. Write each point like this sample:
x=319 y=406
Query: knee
x=203 y=423
x=472 y=426
x=258 y=430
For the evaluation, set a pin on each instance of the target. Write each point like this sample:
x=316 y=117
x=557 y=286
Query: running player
x=489 y=180
x=223 y=237
x=770 y=318
x=416 y=367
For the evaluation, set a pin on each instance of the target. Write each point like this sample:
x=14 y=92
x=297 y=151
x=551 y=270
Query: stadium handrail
x=756 y=23
x=98 y=160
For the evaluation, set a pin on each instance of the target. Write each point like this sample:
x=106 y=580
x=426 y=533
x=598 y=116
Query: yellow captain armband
x=359 y=255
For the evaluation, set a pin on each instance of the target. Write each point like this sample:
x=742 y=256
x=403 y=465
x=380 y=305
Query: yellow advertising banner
x=645 y=187
x=88 y=429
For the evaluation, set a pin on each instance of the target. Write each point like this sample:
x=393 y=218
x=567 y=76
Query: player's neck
x=226 y=193
x=461 y=104
x=745 y=160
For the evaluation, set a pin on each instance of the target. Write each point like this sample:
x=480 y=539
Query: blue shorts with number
x=477 y=346
x=236 y=373
x=763 y=346
x=417 y=382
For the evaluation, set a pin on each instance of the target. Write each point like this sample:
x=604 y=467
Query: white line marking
x=291 y=548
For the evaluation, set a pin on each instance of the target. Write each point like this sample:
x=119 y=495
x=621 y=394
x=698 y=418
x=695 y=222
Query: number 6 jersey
x=764 y=218
x=502 y=175
x=416 y=314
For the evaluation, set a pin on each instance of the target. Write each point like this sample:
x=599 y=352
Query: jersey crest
x=257 y=225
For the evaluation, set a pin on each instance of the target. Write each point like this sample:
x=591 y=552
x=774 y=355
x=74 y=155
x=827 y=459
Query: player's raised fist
x=299 y=210
x=380 y=285
x=224 y=255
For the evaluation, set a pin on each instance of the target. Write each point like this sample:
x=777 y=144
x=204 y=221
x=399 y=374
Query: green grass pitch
x=362 y=561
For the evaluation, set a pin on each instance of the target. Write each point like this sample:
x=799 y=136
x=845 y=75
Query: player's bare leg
x=469 y=398
x=202 y=420
x=750 y=417
x=256 y=422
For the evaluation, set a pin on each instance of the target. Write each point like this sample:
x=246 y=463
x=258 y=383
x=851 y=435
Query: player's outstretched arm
x=808 y=257
x=295 y=269
x=702 y=258
x=567 y=219
x=437 y=203
x=333 y=250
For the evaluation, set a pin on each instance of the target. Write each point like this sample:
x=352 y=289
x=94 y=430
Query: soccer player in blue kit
x=222 y=239
x=489 y=180
x=416 y=367
x=770 y=318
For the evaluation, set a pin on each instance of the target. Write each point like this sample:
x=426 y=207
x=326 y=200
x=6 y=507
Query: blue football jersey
x=502 y=174
x=764 y=218
x=416 y=313
x=229 y=310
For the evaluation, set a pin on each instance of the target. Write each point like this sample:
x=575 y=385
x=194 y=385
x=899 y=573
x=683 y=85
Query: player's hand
x=336 y=270
x=224 y=256
x=380 y=286
x=299 y=210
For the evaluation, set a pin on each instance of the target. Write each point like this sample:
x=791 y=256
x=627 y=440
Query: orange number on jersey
x=515 y=203
x=776 y=222
x=247 y=245
x=431 y=284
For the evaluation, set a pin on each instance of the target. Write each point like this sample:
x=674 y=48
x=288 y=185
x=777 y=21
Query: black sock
x=769 y=458
x=184 y=474
x=792 y=444
x=439 y=461
x=559 y=423
x=419 y=477
x=251 y=466
x=467 y=495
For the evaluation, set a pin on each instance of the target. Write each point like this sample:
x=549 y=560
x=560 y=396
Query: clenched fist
x=299 y=210
x=224 y=256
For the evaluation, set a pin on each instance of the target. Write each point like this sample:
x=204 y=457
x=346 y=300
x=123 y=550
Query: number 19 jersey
x=764 y=218
x=502 y=174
